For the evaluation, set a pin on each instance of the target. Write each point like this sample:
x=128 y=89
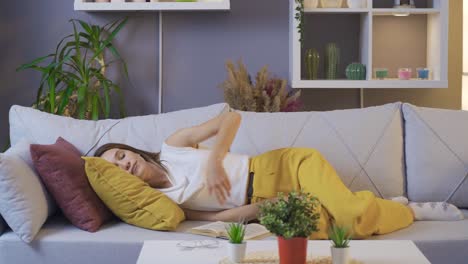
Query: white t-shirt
x=187 y=168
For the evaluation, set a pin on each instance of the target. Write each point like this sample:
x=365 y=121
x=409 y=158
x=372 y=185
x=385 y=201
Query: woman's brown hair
x=151 y=157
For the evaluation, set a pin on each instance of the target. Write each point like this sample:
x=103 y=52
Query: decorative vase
x=423 y=73
x=357 y=3
x=340 y=255
x=356 y=71
x=236 y=252
x=312 y=62
x=332 y=59
x=381 y=73
x=331 y=3
x=311 y=3
x=404 y=73
x=293 y=250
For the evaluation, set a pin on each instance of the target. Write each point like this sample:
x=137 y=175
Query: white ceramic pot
x=310 y=3
x=236 y=252
x=331 y=3
x=340 y=255
x=357 y=3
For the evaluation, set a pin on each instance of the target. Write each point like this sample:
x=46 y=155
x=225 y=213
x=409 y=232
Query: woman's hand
x=218 y=182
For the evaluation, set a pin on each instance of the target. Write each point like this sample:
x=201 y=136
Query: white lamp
x=465 y=58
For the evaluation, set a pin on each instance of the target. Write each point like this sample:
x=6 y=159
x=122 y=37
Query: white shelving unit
x=160 y=8
x=213 y=5
x=371 y=20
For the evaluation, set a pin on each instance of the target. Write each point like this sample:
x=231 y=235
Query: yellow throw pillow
x=131 y=199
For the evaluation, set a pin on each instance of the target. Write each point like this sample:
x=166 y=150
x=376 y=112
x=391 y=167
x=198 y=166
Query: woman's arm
x=247 y=213
x=225 y=127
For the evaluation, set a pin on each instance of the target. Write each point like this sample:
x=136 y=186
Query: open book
x=218 y=229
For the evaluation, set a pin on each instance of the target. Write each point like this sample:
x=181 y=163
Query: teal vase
x=332 y=59
x=356 y=71
x=312 y=62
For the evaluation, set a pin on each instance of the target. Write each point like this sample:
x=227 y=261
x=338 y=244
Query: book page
x=255 y=230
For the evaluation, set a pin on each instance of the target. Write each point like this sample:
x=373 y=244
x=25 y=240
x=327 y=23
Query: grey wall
x=196 y=47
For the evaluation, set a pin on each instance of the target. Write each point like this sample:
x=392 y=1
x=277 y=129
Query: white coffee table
x=368 y=252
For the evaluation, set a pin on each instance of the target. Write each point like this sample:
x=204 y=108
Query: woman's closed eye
x=121 y=155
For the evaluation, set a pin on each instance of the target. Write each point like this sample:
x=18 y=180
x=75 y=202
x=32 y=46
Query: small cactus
x=312 y=62
x=332 y=59
x=356 y=71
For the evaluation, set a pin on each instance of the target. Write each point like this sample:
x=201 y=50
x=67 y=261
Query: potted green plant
x=74 y=81
x=340 y=245
x=236 y=245
x=292 y=219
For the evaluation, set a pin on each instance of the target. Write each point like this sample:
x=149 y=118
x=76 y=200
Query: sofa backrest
x=365 y=146
x=144 y=132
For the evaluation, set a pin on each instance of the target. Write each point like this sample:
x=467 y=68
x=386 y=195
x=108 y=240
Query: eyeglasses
x=190 y=245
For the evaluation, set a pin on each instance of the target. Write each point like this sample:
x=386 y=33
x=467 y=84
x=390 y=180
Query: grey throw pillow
x=436 y=148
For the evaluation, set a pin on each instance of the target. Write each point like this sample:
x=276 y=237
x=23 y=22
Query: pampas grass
x=267 y=94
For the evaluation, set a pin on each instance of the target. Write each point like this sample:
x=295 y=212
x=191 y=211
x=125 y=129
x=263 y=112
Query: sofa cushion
x=131 y=199
x=365 y=146
x=144 y=132
x=436 y=154
x=24 y=201
x=2 y=225
x=63 y=173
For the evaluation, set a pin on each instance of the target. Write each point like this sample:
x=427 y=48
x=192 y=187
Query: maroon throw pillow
x=63 y=172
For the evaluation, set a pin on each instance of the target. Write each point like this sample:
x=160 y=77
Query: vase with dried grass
x=267 y=94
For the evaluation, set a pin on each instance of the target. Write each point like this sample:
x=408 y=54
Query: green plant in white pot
x=293 y=219
x=236 y=245
x=340 y=245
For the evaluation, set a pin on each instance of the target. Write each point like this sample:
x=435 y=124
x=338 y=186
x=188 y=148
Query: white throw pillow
x=144 y=132
x=365 y=146
x=436 y=155
x=24 y=201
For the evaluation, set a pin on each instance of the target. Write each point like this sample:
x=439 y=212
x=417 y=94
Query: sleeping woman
x=216 y=185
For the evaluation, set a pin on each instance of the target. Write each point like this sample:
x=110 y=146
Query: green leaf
x=34 y=62
x=95 y=108
x=65 y=98
x=82 y=101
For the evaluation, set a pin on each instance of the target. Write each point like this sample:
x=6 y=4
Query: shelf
x=153 y=6
x=374 y=37
x=414 y=11
x=337 y=10
x=393 y=84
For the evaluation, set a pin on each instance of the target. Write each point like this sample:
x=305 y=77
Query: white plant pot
x=340 y=255
x=357 y=3
x=236 y=252
x=311 y=3
x=331 y=3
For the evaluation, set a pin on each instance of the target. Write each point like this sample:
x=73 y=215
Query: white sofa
x=372 y=149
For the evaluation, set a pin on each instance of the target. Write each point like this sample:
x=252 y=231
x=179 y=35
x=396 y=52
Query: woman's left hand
x=218 y=182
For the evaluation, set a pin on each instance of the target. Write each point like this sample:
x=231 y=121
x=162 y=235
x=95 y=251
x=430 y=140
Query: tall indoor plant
x=293 y=219
x=74 y=81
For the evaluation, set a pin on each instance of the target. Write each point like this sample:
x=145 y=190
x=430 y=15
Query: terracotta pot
x=293 y=250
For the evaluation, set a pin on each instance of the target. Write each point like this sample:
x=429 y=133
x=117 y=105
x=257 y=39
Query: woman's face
x=131 y=162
